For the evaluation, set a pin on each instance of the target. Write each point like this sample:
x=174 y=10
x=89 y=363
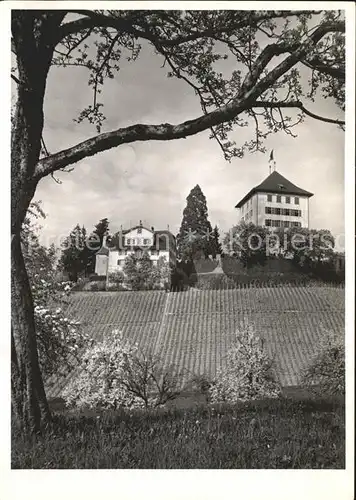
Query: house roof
x=139 y=226
x=275 y=183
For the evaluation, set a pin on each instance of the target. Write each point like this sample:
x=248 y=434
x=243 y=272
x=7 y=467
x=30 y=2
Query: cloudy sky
x=151 y=180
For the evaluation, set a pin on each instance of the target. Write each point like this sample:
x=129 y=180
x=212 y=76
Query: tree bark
x=29 y=401
x=31 y=33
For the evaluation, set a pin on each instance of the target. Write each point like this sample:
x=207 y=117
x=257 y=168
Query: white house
x=276 y=202
x=136 y=240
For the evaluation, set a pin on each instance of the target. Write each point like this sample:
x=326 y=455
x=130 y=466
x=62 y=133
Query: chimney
x=140 y=223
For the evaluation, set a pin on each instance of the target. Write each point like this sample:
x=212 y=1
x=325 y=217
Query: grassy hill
x=194 y=329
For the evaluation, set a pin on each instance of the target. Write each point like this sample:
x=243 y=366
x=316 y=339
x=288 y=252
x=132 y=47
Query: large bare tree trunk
x=29 y=404
x=29 y=401
x=32 y=33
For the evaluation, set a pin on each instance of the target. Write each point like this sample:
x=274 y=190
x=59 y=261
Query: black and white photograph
x=182 y=210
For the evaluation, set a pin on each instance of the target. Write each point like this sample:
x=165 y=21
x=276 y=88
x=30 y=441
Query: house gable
x=138 y=236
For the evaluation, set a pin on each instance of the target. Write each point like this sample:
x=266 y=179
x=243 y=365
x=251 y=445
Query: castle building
x=136 y=240
x=276 y=202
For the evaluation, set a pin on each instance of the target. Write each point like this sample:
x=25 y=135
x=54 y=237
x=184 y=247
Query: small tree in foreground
x=325 y=376
x=246 y=375
x=116 y=374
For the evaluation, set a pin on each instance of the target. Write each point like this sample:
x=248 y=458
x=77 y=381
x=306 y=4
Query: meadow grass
x=279 y=434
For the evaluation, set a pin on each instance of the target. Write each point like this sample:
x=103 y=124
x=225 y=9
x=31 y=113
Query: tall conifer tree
x=95 y=242
x=217 y=248
x=195 y=235
x=73 y=258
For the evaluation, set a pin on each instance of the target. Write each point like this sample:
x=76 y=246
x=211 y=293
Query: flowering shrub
x=247 y=374
x=115 y=374
x=326 y=373
x=59 y=339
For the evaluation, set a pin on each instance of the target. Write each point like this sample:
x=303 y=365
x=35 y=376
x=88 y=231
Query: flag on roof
x=271 y=157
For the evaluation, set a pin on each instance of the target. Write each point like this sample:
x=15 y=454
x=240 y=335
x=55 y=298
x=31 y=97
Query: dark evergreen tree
x=94 y=243
x=216 y=245
x=74 y=254
x=195 y=235
x=102 y=229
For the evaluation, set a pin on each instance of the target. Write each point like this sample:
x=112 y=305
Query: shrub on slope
x=247 y=374
x=326 y=374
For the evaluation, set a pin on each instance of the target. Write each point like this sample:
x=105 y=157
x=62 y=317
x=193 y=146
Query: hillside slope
x=193 y=330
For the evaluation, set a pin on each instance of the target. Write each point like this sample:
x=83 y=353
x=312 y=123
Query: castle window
x=128 y=241
x=146 y=241
x=139 y=230
x=296 y=200
x=268 y=222
x=279 y=198
x=269 y=197
x=268 y=210
x=287 y=199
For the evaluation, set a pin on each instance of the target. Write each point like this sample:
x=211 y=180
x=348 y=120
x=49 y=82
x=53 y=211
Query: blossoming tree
x=246 y=374
x=115 y=374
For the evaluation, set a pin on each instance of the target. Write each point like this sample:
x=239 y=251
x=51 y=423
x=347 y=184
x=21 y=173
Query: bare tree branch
x=299 y=105
x=318 y=65
x=94 y=19
x=246 y=99
x=298 y=54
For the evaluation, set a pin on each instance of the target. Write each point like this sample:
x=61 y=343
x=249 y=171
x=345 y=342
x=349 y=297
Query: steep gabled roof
x=275 y=183
x=125 y=231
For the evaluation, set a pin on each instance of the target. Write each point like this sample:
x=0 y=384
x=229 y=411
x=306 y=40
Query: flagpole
x=271 y=158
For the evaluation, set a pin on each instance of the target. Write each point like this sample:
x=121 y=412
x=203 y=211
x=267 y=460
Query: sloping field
x=194 y=329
